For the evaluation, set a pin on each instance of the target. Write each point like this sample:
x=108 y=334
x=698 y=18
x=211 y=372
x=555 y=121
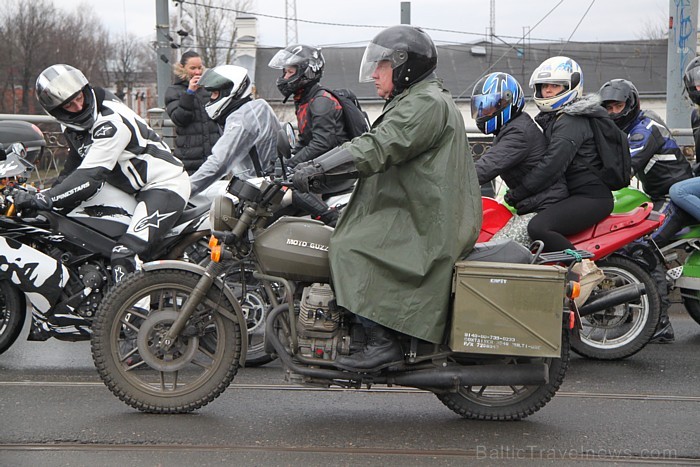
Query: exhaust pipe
x=473 y=375
x=610 y=298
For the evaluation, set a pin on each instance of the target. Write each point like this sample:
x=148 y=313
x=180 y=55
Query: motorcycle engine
x=320 y=327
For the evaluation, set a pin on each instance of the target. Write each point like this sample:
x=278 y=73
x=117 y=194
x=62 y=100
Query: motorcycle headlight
x=222 y=215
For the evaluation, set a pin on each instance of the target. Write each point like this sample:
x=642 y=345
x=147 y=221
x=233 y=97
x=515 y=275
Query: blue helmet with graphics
x=562 y=71
x=497 y=99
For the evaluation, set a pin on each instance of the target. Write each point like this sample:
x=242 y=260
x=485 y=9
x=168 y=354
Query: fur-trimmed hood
x=180 y=72
x=589 y=105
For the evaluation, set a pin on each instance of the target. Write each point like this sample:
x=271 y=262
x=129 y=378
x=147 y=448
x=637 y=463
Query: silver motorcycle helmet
x=232 y=84
x=58 y=85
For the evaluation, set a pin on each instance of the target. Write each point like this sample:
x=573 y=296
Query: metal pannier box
x=507 y=309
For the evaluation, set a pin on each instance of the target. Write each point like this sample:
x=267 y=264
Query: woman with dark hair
x=195 y=132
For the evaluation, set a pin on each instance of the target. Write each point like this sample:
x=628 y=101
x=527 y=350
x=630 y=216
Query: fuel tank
x=296 y=249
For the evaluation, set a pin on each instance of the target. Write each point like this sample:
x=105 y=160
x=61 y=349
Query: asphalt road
x=54 y=410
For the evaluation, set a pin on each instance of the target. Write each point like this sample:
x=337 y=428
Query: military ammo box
x=507 y=309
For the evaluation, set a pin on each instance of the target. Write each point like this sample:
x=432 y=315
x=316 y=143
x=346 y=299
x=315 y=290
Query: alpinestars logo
x=106 y=130
x=151 y=221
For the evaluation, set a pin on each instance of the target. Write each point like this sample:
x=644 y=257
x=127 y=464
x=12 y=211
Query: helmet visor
x=285 y=58
x=374 y=54
x=485 y=106
x=61 y=90
x=211 y=80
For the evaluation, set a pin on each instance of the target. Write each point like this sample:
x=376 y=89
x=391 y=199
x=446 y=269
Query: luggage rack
x=565 y=256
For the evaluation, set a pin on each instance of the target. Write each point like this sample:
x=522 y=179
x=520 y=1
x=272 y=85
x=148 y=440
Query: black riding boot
x=381 y=348
x=676 y=219
x=664 y=331
x=316 y=207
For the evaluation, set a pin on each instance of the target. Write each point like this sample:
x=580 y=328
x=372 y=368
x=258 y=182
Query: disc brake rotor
x=150 y=338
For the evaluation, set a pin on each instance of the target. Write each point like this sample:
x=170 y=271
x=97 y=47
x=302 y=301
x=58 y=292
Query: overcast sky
x=579 y=20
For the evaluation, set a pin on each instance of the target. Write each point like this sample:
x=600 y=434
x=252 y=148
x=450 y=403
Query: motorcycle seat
x=500 y=251
x=614 y=222
x=193 y=213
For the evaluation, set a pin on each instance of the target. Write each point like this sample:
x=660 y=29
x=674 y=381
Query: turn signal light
x=216 y=252
x=213 y=241
x=573 y=289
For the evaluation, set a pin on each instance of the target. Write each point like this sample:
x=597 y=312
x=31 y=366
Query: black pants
x=567 y=217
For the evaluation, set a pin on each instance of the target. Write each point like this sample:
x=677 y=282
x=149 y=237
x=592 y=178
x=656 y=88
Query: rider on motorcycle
x=416 y=207
x=658 y=163
x=110 y=143
x=518 y=144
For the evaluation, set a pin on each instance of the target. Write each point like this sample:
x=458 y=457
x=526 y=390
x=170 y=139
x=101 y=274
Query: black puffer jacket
x=321 y=124
x=517 y=148
x=195 y=132
x=571 y=152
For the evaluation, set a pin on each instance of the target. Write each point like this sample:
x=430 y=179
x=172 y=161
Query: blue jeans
x=686 y=195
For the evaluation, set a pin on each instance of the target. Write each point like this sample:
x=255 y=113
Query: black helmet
x=58 y=85
x=621 y=90
x=691 y=79
x=308 y=61
x=411 y=51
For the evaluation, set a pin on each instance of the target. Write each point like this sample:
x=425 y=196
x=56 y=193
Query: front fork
x=212 y=271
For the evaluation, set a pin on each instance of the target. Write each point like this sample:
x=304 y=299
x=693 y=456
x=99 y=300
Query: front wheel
x=12 y=315
x=510 y=402
x=691 y=300
x=622 y=330
x=128 y=351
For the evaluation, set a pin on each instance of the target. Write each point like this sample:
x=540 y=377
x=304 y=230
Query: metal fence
x=56 y=148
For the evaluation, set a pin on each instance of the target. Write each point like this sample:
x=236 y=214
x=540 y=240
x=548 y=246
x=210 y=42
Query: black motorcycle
x=59 y=264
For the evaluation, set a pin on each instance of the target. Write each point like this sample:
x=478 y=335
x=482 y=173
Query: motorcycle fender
x=41 y=277
x=199 y=270
x=690 y=278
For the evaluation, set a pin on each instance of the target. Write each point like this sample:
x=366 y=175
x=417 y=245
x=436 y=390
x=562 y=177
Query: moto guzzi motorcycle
x=620 y=329
x=169 y=339
x=59 y=263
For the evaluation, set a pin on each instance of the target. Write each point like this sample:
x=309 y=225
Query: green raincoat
x=416 y=208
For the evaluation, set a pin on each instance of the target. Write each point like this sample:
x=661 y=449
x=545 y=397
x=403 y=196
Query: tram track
x=375 y=389
x=327 y=452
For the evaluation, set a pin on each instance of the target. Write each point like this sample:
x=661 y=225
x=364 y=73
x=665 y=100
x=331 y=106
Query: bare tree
x=28 y=27
x=213 y=25
x=653 y=30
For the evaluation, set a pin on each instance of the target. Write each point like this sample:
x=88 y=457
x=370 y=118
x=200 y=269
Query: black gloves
x=308 y=176
x=32 y=201
x=508 y=198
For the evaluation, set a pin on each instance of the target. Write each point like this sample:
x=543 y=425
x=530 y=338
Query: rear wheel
x=12 y=315
x=691 y=300
x=128 y=350
x=510 y=402
x=622 y=330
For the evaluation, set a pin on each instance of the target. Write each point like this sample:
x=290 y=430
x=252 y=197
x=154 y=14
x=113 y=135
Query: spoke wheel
x=623 y=330
x=130 y=352
x=509 y=402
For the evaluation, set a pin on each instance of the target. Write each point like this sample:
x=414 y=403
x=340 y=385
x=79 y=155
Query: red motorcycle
x=610 y=329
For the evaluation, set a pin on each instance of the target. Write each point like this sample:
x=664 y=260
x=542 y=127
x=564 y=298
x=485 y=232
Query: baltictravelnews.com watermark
x=537 y=452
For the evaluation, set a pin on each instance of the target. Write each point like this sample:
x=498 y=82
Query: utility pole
x=290 y=20
x=162 y=50
x=682 y=45
x=405 y=12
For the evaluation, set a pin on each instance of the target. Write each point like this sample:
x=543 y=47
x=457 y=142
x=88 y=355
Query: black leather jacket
x=517 y=148
x=321 y=124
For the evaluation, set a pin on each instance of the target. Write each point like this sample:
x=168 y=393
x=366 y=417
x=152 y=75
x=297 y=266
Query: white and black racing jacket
x=119 y=148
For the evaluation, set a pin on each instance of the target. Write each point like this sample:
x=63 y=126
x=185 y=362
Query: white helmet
x=233 y=84
x=557 y=70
